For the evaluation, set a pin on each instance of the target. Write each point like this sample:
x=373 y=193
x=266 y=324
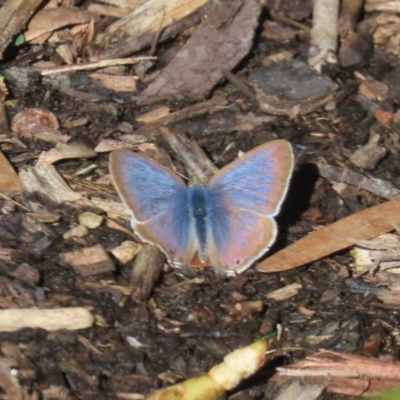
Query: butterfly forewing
x=257 y=181
x=158 y=201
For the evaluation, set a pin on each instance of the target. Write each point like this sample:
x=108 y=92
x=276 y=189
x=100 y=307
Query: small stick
x=288 y=21
x=349 y=13
x=324 y=34
x=239 y=84
x=157 y=36
x=215 y=104
x=15 y=202
x=94 y=65
x=379 y=187
x=200 y=168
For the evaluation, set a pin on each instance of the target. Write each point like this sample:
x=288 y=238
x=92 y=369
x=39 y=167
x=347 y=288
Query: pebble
x=126 y=251
x=90 y=220
x=76 y=231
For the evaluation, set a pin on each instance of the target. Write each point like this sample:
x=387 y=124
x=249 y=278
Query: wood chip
x=274 y=88
x=118 y=84
x=285 y=293
x=26 y=273
x=391 y=6
x=153 y=115
x=368 y=156
x=220 y=42
x=46 y=180
x=72 y=318
x=45 y=217
x=112 y=208
x=76 y=231
x=89 y=260
x=126 y=251
x=146 y=271
x=151 y=17
x=107 y=145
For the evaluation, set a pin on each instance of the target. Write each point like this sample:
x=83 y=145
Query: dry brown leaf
x=64 y=151
x=51 y=19
x=335 y=237
x=9 y=180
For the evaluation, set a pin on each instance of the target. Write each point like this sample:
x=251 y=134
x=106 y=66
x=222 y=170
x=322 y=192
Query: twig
x=379 y=187
x=349 y=13
x=212 y=105
x=15 y=202
x=94 y=65
x=239 y=84
x=157 y=36
x=324 y=34
x=199 y=167
x=288 y=21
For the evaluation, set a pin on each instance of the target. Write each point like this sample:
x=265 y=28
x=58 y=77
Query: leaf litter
x=208 y=70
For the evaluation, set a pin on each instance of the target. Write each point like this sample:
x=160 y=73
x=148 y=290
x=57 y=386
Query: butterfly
x=229 y=222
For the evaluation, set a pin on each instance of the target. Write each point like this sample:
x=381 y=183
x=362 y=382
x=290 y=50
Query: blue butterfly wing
x=244 y=198
x=158 y=202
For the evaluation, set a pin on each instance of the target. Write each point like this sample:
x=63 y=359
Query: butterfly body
x=200 y=210
x=228 y=222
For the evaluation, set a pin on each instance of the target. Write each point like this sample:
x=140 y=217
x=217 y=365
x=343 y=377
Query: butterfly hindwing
x=245 y=237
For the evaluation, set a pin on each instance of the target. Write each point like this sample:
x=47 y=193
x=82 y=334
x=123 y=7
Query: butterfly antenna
x=184 y=177
x=298 y=152
x=178 y=173
x=227 y=148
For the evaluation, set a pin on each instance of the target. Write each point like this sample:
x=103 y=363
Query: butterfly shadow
x=297 y=201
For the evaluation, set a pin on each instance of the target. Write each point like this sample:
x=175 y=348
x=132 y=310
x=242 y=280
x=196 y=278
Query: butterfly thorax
x=199 y=210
